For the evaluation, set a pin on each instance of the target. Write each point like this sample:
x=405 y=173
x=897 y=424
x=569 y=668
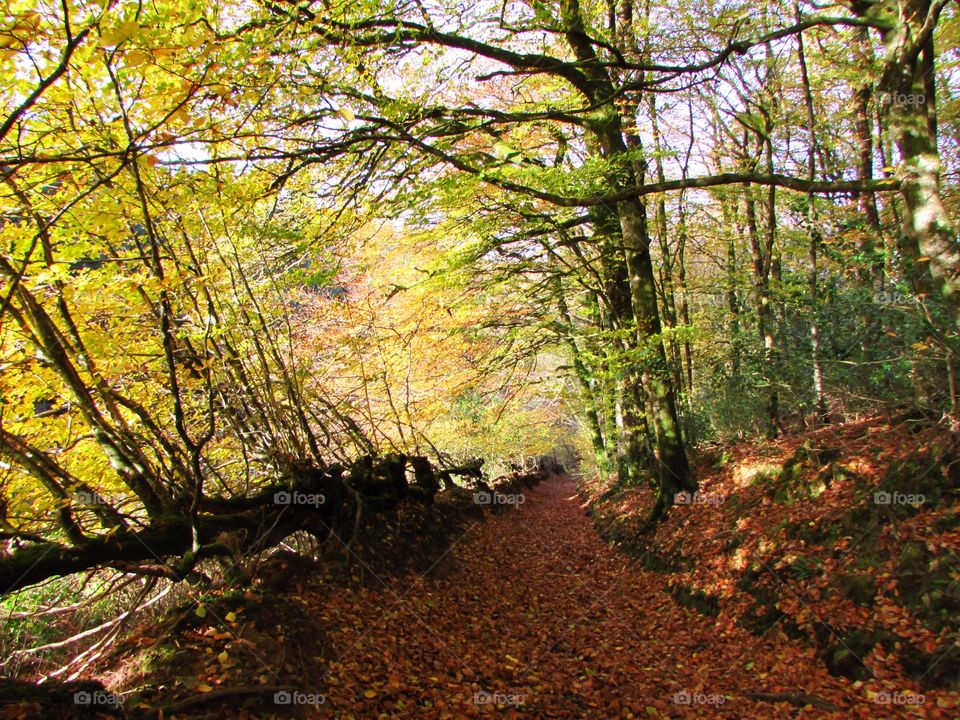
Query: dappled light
x=535 y=358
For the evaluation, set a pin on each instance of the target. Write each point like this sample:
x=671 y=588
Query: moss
x=815 y=456
x=696 y=599
x=804 y=568
x=947 y=523
x=862 y=523
x=723 y=460
x=733 y=543
x=937 y=669
x=661 y=562
x=927 y=587
x=859 y=587
x=810 y=471
x=764 y=613
x=158 y=657
x=845 y=655
x=760 y=618
x=932 y=472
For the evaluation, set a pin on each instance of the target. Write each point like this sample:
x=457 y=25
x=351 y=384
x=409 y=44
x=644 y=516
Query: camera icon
x=282 y=498
x=682 y=498
x=882 y=498
x=82 y=697
x=282 y=697
x=682 y=697
x=482 y=498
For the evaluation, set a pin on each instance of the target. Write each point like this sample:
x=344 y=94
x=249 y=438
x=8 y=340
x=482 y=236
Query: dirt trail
x=538 y=618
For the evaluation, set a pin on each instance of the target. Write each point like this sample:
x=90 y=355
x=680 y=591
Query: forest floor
x=543 y=620
x=531 y=613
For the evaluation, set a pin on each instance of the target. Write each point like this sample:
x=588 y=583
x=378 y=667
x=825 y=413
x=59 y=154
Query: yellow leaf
x=30 y=21
x=125 y=31
x=204 y=688
x=231 y=617
x=223 y=657
x=182 y=115
x=195 y=36
x=347 y=114
x=136 y=58
x=22 y=31
x=370 y=694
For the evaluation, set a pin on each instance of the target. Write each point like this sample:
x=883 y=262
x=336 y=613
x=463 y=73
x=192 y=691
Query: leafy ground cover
x=789 y=587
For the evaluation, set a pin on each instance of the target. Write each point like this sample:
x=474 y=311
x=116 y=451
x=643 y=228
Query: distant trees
x=562 y=121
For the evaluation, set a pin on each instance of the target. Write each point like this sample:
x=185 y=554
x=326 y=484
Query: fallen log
x=323 y=501
x=320 y=501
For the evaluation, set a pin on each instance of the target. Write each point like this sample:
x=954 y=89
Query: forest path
x=541 y=619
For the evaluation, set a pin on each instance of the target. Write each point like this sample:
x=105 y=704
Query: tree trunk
x=580 y=371
x=928 y=240
x=870 y=274
x=673 y=468
x=813 y=233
